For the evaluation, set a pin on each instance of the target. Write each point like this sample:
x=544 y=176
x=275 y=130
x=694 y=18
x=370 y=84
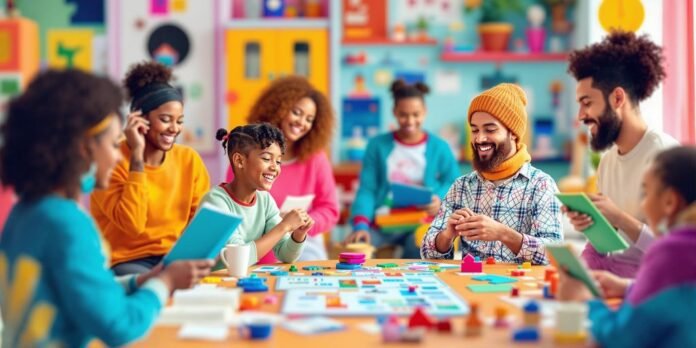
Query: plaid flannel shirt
x=526 y=203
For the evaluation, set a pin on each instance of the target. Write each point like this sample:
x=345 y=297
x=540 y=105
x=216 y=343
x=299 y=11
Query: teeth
x=269 y=177
x=485 y=148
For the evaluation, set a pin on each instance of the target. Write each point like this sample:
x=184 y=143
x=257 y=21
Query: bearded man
x=613 y=77
x=506 y=208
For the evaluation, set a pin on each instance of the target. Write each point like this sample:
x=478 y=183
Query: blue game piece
x=313 y=268
x=256 y=288
x=477 y=259
x=279 y=273
x=547 y=292
x=253 y=284
x=347 y=266
x=526 y=334
x=531 y=307
x=317 y=274
x=259 y=330
x=494 y=279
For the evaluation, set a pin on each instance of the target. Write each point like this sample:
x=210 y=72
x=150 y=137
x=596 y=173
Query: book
x=564 y=258
x=205 y=235
x=601 y=234
x=409 y=195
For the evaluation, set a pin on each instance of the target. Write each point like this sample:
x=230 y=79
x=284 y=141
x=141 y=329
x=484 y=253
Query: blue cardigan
x=56 y=289
x=441 y=169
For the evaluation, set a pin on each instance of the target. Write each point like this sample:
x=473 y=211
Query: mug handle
x=222 y=257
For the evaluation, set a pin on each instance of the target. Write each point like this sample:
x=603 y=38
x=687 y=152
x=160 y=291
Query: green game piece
x=253 y=275
x=603 y=237
x=487 y=288
x=387 y=265
x=312 y=268
x=435 y=269
x=519 y=266
x=293 y=268
x=9 y=87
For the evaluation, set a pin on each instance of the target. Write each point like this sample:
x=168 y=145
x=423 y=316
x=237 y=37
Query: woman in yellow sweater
x=156 y=189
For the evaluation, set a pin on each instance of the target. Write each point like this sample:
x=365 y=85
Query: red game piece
x=490 y=260
x=420 y=319
x=515 y=292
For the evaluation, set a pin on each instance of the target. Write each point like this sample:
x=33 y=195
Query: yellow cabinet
x=257 y=56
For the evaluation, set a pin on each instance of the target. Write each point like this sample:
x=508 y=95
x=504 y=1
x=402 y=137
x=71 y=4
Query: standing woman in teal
x=61 y=140
x=410 y=155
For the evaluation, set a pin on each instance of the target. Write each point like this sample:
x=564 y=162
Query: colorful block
x=470 y=265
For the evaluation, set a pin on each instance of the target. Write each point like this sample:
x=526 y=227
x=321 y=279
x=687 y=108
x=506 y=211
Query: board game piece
x=348 y=255
x=494 y=279
x=435 y=269
x=474 y=325
x=515 y=292
x=352 y=262
x=293 y=268
x=279 y=273
x=526 y=334
x=490 y=260
x=257 y=329
x=270 y=300
x=313 y=268
x=548 y=274
x=387 y=265
x=531 y=315
x=420 y=318
x=547 y=291
x=249 y=303
x=253 y=284
x=470 y=265
x=527 y=265
x=488 y=288
x=501 y=320
x=211 y=280
x=444 y=325
x=317 y=274
x=553 y=284
x=413 y=335
x=253 y=275
x=412 y=288
x=347 y=266
x=391 y=330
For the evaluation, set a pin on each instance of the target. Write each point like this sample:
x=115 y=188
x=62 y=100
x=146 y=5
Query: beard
x=500 y=152
x=608 y=129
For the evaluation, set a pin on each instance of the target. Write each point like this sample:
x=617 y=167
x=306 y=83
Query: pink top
x=312 y=176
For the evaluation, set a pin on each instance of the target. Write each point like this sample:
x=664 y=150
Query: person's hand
x=579 y=221
x=300 y=234
x=185 y=274
x=481 y=227
x=433 y=207
x=357 y=237
x=607 y=207
x=144 y=277
x=136 y=128
x=571 y=289
x=611 y=284
x=295 y=219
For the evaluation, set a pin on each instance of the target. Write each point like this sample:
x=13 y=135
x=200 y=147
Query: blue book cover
x=409 y=196
x=205 y=236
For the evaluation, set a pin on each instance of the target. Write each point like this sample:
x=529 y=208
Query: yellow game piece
x=249 y=302
x=527 y=265
x=564 y=338
x=211 y=280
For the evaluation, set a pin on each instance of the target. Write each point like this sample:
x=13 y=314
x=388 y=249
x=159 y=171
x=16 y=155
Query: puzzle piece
x=494 y=279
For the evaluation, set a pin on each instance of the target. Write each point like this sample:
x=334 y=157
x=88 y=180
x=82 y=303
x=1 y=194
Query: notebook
x=205 y=236
x=603 y=237
x=409 y=195
x=565 y=258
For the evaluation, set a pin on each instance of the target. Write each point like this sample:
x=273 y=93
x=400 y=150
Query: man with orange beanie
x=506 y=208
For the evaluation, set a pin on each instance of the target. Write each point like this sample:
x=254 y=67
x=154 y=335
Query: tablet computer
x=410 y=196
x=601 y=234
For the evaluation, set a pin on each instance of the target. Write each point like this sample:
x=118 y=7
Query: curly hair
x=244 y=138
x=277 y=101
x=45 y=127
x=624 y=60
x=144 y=74
x=402 y=90
x=676 y=168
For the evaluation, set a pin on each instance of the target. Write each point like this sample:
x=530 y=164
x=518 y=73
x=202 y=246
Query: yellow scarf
x=510 y=166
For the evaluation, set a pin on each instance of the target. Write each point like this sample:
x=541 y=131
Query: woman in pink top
x=305 y=117
x=7 y=200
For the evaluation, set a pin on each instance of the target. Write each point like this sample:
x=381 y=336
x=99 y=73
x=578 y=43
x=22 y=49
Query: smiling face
x=595 y=112
x=259 y=168
x=410 y=114
x=166 y=122
x=298 y=122
x=491 y=141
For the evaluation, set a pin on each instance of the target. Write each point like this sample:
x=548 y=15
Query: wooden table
x=354 y=337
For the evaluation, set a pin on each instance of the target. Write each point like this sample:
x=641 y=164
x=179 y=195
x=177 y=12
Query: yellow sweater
x=143 y=213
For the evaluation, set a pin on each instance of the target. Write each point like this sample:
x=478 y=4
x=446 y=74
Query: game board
x=368 y=296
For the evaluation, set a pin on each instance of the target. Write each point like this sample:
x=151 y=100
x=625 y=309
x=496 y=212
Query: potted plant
x=422 y=29
x=494 y=32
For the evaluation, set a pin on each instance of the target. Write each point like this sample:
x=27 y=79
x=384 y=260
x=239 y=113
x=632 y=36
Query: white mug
x=236 y=258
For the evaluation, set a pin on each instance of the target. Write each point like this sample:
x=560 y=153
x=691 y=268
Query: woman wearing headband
x=156 y=189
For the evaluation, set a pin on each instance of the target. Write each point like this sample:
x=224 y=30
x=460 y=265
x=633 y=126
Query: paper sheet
x=204 y=332
x=297 y=202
